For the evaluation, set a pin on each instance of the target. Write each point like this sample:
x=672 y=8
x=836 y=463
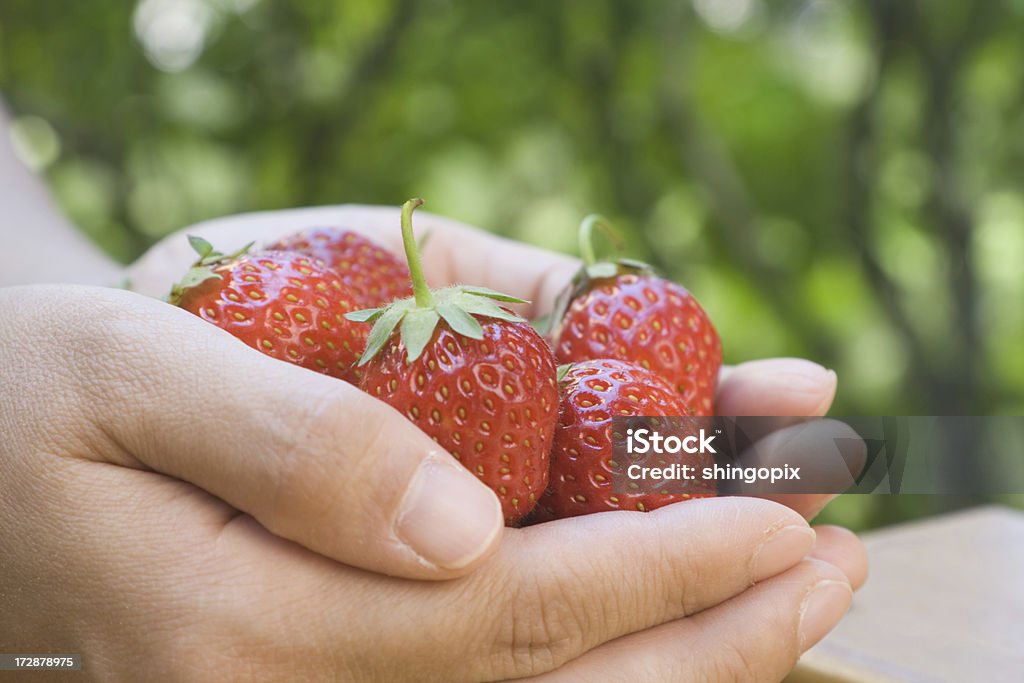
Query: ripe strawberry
x=582 y=462
x=289 y=306
x=472 y=375
x=623 y=310
x=372 y=274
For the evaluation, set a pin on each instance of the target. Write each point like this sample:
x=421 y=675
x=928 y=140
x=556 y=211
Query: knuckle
x=689 y=573
x=736 y=663
x=298 y=461
x=227 y=636
x=754 y=659
x=680 y=570
x=87 y=331
x=217 y=658
x=336 y=435
x=546 y=625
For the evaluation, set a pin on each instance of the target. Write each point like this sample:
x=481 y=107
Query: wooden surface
x=944 y=602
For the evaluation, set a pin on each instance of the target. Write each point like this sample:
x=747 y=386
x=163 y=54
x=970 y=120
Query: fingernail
x=782 y=550
x=447 y=516
x=804 y=371
x=822 y=609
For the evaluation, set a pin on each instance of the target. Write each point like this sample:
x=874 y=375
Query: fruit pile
x=465 y=368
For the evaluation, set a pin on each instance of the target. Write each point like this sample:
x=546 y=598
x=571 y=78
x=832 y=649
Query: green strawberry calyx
x=591 y=270
x=203 y=269
x=562 y=371
x=418 y=316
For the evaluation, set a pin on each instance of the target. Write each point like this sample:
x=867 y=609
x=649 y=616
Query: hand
x=459 y=253
x=174 y=500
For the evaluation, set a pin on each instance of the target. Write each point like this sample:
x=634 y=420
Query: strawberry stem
x=424 y=298
x=417 y=317
x=587 y=236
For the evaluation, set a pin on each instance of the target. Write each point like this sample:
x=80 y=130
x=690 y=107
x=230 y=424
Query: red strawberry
x=472 y=375
x=623 y=310
x=582 y=462
x=372 y=274
x=289 y=306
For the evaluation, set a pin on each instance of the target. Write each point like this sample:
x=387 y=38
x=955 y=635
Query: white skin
x=175 y=499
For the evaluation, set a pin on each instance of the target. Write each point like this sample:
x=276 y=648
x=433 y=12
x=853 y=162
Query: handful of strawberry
x=466 y=369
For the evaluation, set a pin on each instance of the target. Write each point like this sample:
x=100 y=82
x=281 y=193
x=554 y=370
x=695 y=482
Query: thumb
x=313 y=459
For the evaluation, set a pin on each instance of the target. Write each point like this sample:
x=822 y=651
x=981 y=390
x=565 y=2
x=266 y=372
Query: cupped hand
x=174 y=498
x=455 y=252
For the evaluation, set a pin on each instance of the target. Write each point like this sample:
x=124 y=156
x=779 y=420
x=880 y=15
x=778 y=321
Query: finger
x=779 y=387
x=472 y=256
x=459 y=253
x=728 y=642
x=827 y=455
x=776 y=387
x=826 y=469
x=556 y=590
x=312 y=458
x=841 y=547
x=455 y=252
x=154 y=272
x=579 y=582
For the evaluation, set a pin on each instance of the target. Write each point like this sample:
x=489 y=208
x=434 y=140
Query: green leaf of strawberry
x=201 y=247
x=460 y=320
x=366 y=315
x=417 y=327
x=203 y=268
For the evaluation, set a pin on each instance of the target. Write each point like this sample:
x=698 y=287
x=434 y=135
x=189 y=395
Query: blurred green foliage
x=833 y=179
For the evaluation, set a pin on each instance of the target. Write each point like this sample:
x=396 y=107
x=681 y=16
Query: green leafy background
x=836 y=180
